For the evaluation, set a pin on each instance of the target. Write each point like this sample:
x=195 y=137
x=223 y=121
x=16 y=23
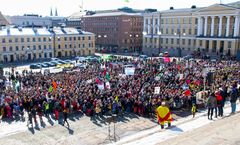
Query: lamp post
x=179 y=44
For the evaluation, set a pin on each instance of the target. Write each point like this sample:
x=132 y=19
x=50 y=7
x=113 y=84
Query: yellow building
x=72 y=42
x=29 y=44
x=212 y=30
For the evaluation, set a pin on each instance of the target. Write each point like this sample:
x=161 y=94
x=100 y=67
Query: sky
x=68 y=7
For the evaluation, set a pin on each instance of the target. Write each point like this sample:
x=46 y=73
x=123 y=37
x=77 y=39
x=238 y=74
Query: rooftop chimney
x=171 y=8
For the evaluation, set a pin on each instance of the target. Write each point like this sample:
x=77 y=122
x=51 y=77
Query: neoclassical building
x=210 y=30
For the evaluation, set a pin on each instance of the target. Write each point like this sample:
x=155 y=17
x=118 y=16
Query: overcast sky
x=68 y=7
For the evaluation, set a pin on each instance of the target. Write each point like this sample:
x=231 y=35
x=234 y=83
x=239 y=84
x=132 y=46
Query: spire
x=56 y=13
x=51 y=14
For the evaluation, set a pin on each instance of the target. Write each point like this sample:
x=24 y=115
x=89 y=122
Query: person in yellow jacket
x=164 y=115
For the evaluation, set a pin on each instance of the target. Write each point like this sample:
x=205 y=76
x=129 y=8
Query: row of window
x=44 y=39
x=170 y=21
x=75 y=46
x=24 y=48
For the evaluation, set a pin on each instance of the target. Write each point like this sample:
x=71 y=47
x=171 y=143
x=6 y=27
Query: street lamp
x=179 y=44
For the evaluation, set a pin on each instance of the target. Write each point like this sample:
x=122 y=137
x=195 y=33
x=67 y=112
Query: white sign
x=129 y=71
x=56 y=70
x=101 y=86
x=89 y=81
x=157 y=90
x=108 y=85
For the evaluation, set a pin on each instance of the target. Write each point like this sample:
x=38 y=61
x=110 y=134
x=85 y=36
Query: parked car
x=35 y=66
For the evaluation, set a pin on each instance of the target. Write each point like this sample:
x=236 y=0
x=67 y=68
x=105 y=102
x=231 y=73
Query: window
x=83 y=45
x=4 y=49
x=70 y=46
x=39 y=47
x=34 y=47
x=44 y=39
x=40 y=55
x=70 y=38
x=22 y=39
x=172 y=41
x=28 y=39
x=189 y=41
x=3 y=40
x=200 y=42
x=59 y=46
x=183 y=41
x=65 y=46
x=190 y=31
x=177 y=41
x=39 y=39
x=22 y=48
x=16 y=48
x=74 y=38
x=89 y=38
x=45 y=47
x=10 y=40
x=166 y=40
x=50 y=54
x=49 y=46
x=229 y=44
x=33 y=39
x=10 y=48
x=16 y=39
x=65 y=38
x=83 y=38
x=89 y=45
x=79 y=38
x=45 y=55
x=167 y=31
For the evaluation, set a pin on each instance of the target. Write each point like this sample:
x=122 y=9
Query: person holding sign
x=164 y=115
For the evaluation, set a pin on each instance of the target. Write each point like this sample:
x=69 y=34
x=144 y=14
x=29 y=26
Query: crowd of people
x=104 y=88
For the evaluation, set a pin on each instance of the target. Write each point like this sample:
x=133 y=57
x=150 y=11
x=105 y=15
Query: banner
x=129 y=71
x=107 y=85
x=101 y=86
x=166 y=59
x=157 y=90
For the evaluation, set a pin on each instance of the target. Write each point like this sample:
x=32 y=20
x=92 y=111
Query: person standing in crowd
x=65 y=113
x=194 y=109
x=211 y=104
x=219 y=103
x=233 y=97
x=164 y=115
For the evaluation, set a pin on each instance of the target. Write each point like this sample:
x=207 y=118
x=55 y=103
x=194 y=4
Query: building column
x=220 y=27
x=212 y=26
x=228 y=26
x=149 y=26
x=205 y=26
x=158 y=25
x=199 y=26
x=236 y=26
x=144 y=25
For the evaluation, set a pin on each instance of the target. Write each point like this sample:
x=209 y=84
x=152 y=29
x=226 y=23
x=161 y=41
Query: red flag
x=104 y=72
x=98 y=81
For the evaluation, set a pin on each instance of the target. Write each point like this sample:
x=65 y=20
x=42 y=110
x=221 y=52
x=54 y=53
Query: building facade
x=3 y=20
x=29 y=44
x=73 y=42
x=211 y=30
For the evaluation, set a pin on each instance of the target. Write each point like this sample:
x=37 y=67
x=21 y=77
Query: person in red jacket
x=219 y=103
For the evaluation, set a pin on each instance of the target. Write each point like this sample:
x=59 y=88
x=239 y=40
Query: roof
x=113 y=14
x=70 y=31
x=3 y=20
x=24 y=31
x=10 y=31
x=180 y=10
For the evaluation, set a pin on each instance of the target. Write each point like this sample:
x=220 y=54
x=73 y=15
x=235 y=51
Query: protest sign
x=157 y=90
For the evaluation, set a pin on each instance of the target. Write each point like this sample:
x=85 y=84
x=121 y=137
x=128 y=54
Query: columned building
x=211 y=30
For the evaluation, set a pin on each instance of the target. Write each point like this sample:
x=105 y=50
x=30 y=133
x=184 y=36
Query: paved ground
x=221 y=132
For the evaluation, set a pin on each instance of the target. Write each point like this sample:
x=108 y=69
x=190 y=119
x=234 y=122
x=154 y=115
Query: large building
x=210 y=30
x=28 y=44
x=116 y=30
